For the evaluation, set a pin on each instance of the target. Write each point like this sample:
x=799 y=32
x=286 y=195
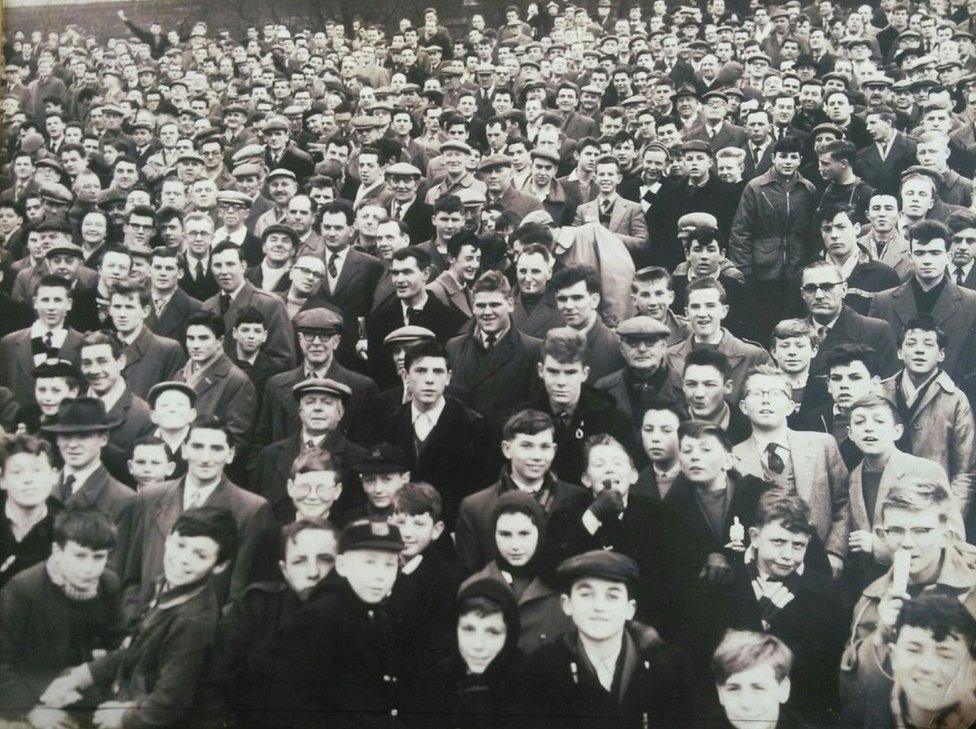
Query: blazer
x=101 y=491
x=626 y=220
x=449 y=293
x=536 y=323
x=854 y=328
x=132 y=414
x=820 y=477
x=742 y=355
x=615 y=385
x=577 y=125
x=378 y=195
x=156 y=510
x=602 y=352
x=171 y=323
x=353 y=292
x=280 y=345
x=227 y=392
x=885 y=175
x=730 y=135
x=954 y=312
x=518 y=204
x=151 y=359
x=499 y=379
x=292 y=159
x=17 y=361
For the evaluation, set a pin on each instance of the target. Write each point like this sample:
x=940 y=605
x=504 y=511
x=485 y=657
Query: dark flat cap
x=321 y=386
x=282 y=229
x=383 y=458
x=318 y=319
x=160 y=387
x=600 y=564
x=369 y=534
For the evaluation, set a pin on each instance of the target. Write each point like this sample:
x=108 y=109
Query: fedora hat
x=81 y=415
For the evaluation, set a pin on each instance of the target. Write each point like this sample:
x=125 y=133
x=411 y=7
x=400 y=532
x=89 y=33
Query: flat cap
x=246 y=169
x=634 y=100
x=471 y=197
x=234 y=108
x=409 y=334
x=247 y=152
x=56 y=368
x=697 y=145
x=403 y=169
x=113 y=109
x=546 y=154
x=142 y=124
x=321 y=386
x=383 y=458
x=494 y=160
x=877 y=80
x=855 y=40
x=282 y=229
x=715 y=95
x=454 y=144
x=600 y=564
x=827 y=127
x=51 y=163
x=642 y=327
x=191 y=155
x=160 y=387
x=234 y=197
x=65 y=249
x=281 y=172
x=276 y=123
x=685 y=90
x=778 y=13
x=757 y=56
x=56 y=192
x=370 y=534
x=364 y=121
x=697 y=220
x=318 y=319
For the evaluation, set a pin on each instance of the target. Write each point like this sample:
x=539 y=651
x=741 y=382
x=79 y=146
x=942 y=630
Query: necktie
x=224 y=303
x=67 y=487
x=333 y=269
x=200 y=273
x=774 y=460
x=49 y=343
x=959 y=276
x=490 y=340
x=159 y=304
x=562 y=418
x=196 y=499
x=648 y=197
x=711 y=132
x=605 y=207
x=397 y=211
x=309 y=445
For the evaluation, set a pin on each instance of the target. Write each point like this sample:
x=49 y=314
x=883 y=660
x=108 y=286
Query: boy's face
x=530 y=455
x=874 y=430
x=250 y=337
x=188 y=559
x=206 y=452
x=652 y=298
x=920 y=352
x=380 y=487
x=705 y=311
x=609 y=466
x=50 y=392
x=370 y=572
x=778 y=550
x=314 y=493
x=309 y=557
x=150 y=464
x=516 y=538
x=659 y=435
x=767 y=401
x=847 y=383
x=704 y=389
x=932 y=673
x=752 y=698
x=599 y=608
x=480 y=638
x=81 y=567
x=28 y=479
x=922 y=534
x=563 y=380
x=794 y=354
x=417 y=531
x=427 y=379
x=703 y=459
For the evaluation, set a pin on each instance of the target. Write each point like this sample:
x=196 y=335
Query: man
x=233 y=207
x=622 y=217
x=822 y=289
x=931 y=292
x=47 y=338
x=149 y=358
x=222 y=389
x=282 y=187
x=497 y=172
x=372 y=188
x=197 y=278
x=652 y=295
x=280 y=153
x=836 y=161
x=706 y=309
x=405 y=205
x=319 y=332
x=884 y=241
x=452 y=286
x=455 y=154
x=447 y=441
x=320 y=408
x=237 y=294
x=716 y=130
x=278 y=246
x=577 y=294
x=805 y=463
x=882 y=163
x=961 y=268
x=208 y=451
x=543 y=185
x=933 y=154
x=495 y=365
x=171 y=305
x=534 y=312
x=648 y=378
x=706 y=383
x=81 y=432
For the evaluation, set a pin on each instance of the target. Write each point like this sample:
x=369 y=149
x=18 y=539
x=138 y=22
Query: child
x=659 y=436
x=384 y=470
x=793 y=344
x=151 y=462
x=314 y=487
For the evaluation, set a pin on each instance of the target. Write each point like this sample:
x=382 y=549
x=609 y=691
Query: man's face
x=466 y=264
x=652 y=298
x=963 y=247
x=408 y=278
x=28 y=479
x=767 y=401
x=65 y=265
x=448 y=224
x=840 y=236
x=309 y=557
x=729 y=169
x=883 y=213
x=933 y=154
x=139 y=230
x=277 y=248
x=370 y=573
x=492 y=311
x=847 y=383
x=917 y=197
x=933 y=674
x=643 y=353
x=920 y=352
x=599 y=608
x=51 y=303
x=563 y=380
x=81 y=567
x=874 y=430
x=704 y=258
x=100 y=367
x=786 y=163
x=530 y=455
x=320 y=412
x=752 y=698
x=127 y=312
x=79 y=450
x=705 y=311
x=533 y=273
x=228 y=270
x=930 y=259
x=427 y=379
x=126 y=175
x=758 y=127
x=704 y=389
x=577 y=305
x=920 y=534
x=250 y=336
x=201 y=343
x=697 y=165
x=823 y=291
x=207 y=451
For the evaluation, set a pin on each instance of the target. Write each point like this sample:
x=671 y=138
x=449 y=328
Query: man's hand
x=44 y=717
x=361 y=350
x=836 y=566
x=607 y=506
x=889 y=608
x=61 y=692
x=717 y=569
x=109 y=714
x=861 y=540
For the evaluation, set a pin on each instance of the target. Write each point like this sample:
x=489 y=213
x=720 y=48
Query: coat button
x=394 y=712
x=386 y=678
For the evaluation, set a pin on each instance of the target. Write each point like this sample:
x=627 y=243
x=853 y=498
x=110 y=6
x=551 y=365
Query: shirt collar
x=762 y=441
x=668 y=475
x=411 y=565
x=82 y=475
x=39 y=329
x=433 y=414
x=111 y=397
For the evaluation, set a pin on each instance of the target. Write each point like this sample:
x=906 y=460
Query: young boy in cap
x=346 y=630
x=609 y=669
x=55 y=380
x=173 y=409
x=383 y=469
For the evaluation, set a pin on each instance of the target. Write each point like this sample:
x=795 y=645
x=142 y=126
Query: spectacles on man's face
x=322 y=490
x=308 y=272
x=827 y=287
x=315 y=335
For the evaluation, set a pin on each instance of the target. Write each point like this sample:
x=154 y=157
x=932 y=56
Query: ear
x=507 y=450
x=586 y=372
x=783 y=690
x=566 y=605
x=753 y=533
x=631 y=609
x=437 y=531
x=281 y=566
x=728 y=387
x=221 y=567
x=170 y=468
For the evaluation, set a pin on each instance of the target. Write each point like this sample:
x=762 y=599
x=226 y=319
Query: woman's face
x=516 y=538
x=480 y=639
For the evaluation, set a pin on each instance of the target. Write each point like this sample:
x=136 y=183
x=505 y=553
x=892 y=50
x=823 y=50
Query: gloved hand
x=607 y=506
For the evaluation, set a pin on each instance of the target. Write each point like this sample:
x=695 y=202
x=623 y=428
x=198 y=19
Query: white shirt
x=411 y=565
x=130 y=337
x=423 y=423
x=340 y=259
x=58 y=335
x=965 y=271
x=405 y=307
x=111 y=397
x=193 y=495
x=361 y=192
x=191 y=264
x=644 y=189
x=237 y=237
x=80 y=476
x=910 y=389
x=271 y=276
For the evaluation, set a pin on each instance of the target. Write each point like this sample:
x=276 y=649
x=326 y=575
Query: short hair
x=917 y=495
x=736 y=153
x=649 y=275
x=787 y=145
x=877 y=401
x=572 y=275
x=53 y=281
x=608 y=159
x=602 y=439
x=152 y=440
x=209 y=421
x=765 y=370
x=882 y=112
x=741 y=650
x=164 y=252
x=414 y=499
x=702 y=284
x=709 y=358
x=942 y=615
x=832 y=209
x=925 y=231
x=335 y=207
x=209 y=319
x=463 y=238
x=492 y=281
x=698 y=429
x=791 y=328
x=565 y=345
x=527 y=422
x=131 y=287
x=228 y=245
x=448 y=204
x=202 y=217
x=17 y=443
x=143 y=211
x=788 y=509
x=210 y=521
x=960 y=220
x=704 y=236
x=98 y=337
x=289 y=532
x=845 y=354
x=925 y=323
x=840 y=150
x=313 y=460
x=251 y=315
x=536 y=236
x=87 y=527
x=427 y=348
x=418 y=254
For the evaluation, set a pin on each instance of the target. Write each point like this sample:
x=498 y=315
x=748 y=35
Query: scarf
x=70 y=591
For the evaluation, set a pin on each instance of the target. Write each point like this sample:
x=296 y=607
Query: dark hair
x=704 y=236
x=143 y=211
x=831 y=210
x=960 y=220
x=709 y=358
x=87 y=527
x=492 y=281
x=289 y=532
x=845 y=354
x=448 y=204
x=228 y=245
x=419 y=255
x=131 y=287
x=164 y=252
x=698 y=429
x=251 y=315
x=741 y=650
x=335 y=207
x=565 y=345
x=527 y=422
x=208 y=319
x=788 y=509
x=925 y=231
x=423 y=349
x=463 y=238
x=414 y=499
x=572 y=275
x=942 y=615
x=210 y=521
x=787 y=145
x=649 y=274
x=49 y=279
x=93 y=339
x=15 y=444
x=840 y=150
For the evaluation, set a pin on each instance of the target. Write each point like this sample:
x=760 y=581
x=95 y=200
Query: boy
x=659 y=436
x=53 y=615
x=422 y=601
x=151 y=462
x=384 y=470
x=154 y=680
x=55 y=380
x=346 y=630
x=313 y=489
x=27 y=478
x=794 y=343
x=608 y=668
x=250 y=333
x=937 y=415
x=707 y=385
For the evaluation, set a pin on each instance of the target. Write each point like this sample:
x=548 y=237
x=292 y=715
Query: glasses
x=322 y=490
x=312 y=336
x=811 y=289
x=769 y=394
x=308 y=272
x=198 y=233
x=917 y=532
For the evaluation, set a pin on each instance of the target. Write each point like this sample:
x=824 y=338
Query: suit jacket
x=820 y=477
x=577 y=125
x=101 y=491
x=449 y=293
x=17 y=361
x=156 y=510
x=885 y=175
x=200 y=290
x=615 y=385
x=518 y=204
x=151 y=359
x=171 y=323
x=499 y=379
x=730 y=135
x=419 y=221
x=226 y=392
x=353 y=292
x=743 y=356
x=132 y=414
x=954 y=312
x=378 y=195
x=280 y=345
x=602 y=352
x=255 y=275
x=626 y=220
x=854 y=328
x=536 y=323
x=292 y=159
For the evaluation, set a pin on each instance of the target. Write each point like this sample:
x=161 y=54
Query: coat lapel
x=168 y=508
x=904 y=304
x=348 y=272
x=137 y=350
x=499 y=355
x=25 y=359
x=804 y=469
x=215 y=374
x=947 y=304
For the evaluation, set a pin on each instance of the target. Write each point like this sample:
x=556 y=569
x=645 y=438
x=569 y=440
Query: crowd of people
x=607 y=367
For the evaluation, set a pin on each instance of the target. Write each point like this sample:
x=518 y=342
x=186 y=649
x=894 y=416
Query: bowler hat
x=81 y=415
